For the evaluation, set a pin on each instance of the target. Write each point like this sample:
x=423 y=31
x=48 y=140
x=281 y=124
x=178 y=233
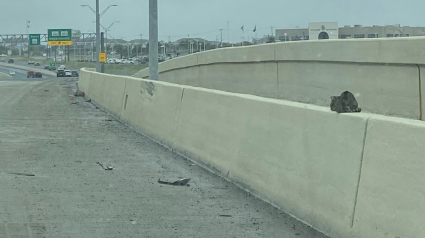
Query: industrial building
x=330 y=30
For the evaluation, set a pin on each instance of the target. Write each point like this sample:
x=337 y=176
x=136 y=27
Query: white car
x=62 y=66
x=125 y=61
x=68 y=73
x=110 y=61
x=12 y=73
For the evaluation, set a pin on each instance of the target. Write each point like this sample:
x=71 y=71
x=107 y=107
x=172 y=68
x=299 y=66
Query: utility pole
x=153 y=39
x=141 y=45
x=228 y=35
x=271 y=29
x=98 y=65
x=221 y=38
x=102 y=49
x=188 y=51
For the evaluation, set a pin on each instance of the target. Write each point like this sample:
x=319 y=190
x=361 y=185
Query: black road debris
x=23 y=174
x=180 y=182
x=105 y=168
x=88 y=100
x=225 y=215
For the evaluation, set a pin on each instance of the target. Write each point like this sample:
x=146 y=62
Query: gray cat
x=345 y=103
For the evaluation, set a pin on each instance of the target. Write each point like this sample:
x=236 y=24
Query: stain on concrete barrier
x=148 y=87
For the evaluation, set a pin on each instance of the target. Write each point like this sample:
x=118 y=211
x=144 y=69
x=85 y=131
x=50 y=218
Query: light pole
x=153 y=39
x=98 y=15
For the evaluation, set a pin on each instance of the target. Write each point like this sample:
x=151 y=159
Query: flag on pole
x=255 y=28
x=242 y=28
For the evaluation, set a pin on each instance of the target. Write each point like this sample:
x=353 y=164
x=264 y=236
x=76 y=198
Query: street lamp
x=96 y=12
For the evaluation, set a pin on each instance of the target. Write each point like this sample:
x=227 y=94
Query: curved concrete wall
x=348 y=175
x=383 y=73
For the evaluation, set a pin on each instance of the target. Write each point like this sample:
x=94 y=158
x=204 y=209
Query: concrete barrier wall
x=345 y=174
x=152 y=107
x=302 y=158
x=379 y=88
x=391 y=198
x=382 y=72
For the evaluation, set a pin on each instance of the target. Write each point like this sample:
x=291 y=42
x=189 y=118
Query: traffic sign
x=52 y=64
x=34 y=39
x=59 y=42
x=59 y=35
x=102 y=57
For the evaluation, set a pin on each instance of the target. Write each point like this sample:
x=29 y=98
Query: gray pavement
x=43 y=134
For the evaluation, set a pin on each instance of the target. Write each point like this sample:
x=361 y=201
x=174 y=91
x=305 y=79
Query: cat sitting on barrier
x=345 y=103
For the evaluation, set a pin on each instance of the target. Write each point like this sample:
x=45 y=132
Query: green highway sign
x=34 y=39
x=59 y=35
x=52 y=64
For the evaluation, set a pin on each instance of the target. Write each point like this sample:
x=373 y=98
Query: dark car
x=10 y=61
x=74 y=73
x=61 y=73
x=46 y=67
x=36 y=64
x=30 y=74
x=38 y=75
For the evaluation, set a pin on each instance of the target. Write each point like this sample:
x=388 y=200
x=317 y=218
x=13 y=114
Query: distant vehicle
x=74 y=73
x=36 y=64
x=38 y=75
x=62 y=66
x=2 y=60
x=68 y=73
x=125 y=61
x=60 y=73
x=111 y=61
x=12 y=73
x=118 y=61
x=46 y=67
x=30 y=74
x=30 y=61
x=10 y=61
x=52 y=67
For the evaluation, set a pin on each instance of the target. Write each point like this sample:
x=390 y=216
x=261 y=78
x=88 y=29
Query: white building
x=331 y=30
x=323 y=30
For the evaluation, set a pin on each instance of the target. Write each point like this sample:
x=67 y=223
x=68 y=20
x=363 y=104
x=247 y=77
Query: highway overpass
x=257 y=117
x=51 y=186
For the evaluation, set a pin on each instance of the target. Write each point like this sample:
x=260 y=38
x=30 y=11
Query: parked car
x=68 y=73
x=2 y=60
x=30 y=61
x=74 y=73
x=30 y=74
x=62 y=66
x=46 y=67
x=38 y=75
x=36 y=64
x=60 y=73
x=10 y=61
x=125 y=61
x=12 y=73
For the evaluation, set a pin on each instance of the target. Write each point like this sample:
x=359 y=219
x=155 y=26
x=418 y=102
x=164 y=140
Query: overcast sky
x=204 y=18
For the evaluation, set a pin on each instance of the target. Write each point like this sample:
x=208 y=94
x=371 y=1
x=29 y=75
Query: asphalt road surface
x=51 y=185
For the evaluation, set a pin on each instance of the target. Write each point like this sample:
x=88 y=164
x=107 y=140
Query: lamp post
x=98 y=15
x=153 y=39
